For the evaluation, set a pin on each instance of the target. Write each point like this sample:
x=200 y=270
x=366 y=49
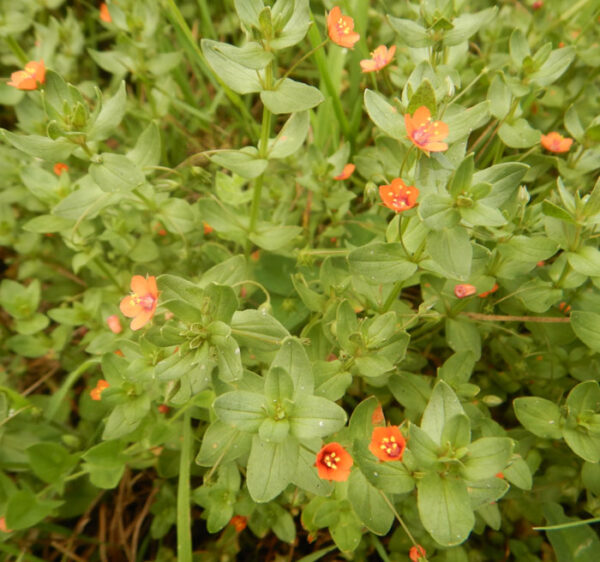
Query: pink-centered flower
x=425 y=133
x=334 y=462
x=341 y=29
x=141 y=304
x=30 y=78
x=398 y=196
x=387 y=443
x=555 y=142
x=380 y=57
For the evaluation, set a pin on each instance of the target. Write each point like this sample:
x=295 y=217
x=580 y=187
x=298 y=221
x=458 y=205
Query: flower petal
x=139 y=285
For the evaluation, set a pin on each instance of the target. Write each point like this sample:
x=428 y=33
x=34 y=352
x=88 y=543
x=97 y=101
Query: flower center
x=342 y=26
x=400 y=200
x=422 y=134
x=146 y=302
x=391 y=448
x=331 y=461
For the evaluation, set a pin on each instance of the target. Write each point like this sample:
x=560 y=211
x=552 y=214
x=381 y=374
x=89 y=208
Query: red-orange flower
x=346 y=172
x=3 y=526
x=104 y=13
x=341 y=28
x=425 y=133
x=59 y=168
x=387 y=443
x=96 y=393
x=141 y=304
x=207 y=228
x=239 y=522
x=555 y=142
x=398 y=196
x=114 y=324
x=163 y=409
x=334 y=462
x=488 y=293
x=377 y=417
x=464 y=290
x=380 y=57
x=416 y=553
x=29 y=78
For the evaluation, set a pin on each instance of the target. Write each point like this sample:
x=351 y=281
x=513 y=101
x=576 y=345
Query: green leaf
x=586 y=326
x=585 y=261
x=47 y=223
x=248 y=11
x=554 y=66
x=518 y=46
x=306 y=477
x=573 y=124
x=271 y=468
x=504 y=178
x=147 y=149
x=258 y=330
x=291 y=97
x=467 y=25
x=228 y=359
x=273 y=237
x=381 y=263
x=390 y=477
x=24 y=509
x=575 y=544
x=443 y=405
x=41 y=147
x=410 y=33
x=293 y=359
x=222 y=443
x=384 y=115
x=463 y=121
x=528 y=249
x=438 y=212
x=368 y=504
x=238 y=77
x=245 y=162
x=538 y=415
x=116 y=173
x=49 y=461
x=412 y=391
x=519 y=134
x=444 y=508
x=583 y=443
x=241 y=409
x=451 y=249
x=291 y=137
x=314 y=416
x=463 y=335
x=480 y=214
x=110 y=115
x=424 y=96
x=499 y=97
x=519 y=473
x=463 y=176
x=486 y=457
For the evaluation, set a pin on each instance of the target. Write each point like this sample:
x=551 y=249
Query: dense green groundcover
x=265 y=295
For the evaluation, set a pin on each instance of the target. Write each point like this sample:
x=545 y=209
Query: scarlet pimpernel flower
x=425 y=133
x=464 y=290
x=416 y=553
x=380 y=57
x=334 y=462
x=114 y=324
x=29 y=78
x=387 y=443
x=239 y=523
x=346 y=172
x=488 y=293
x=141 y=304
x=104 y=13
x=398 y=196
x=341 y=29
x=59 y=168
x=96 y=393
x=555 y=142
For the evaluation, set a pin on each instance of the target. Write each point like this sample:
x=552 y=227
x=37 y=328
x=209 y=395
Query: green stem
x=304 y=57
x=392 y=297
x=405 y=159
x=569 y=525
x=16 y=49
x=315 y=39
x=184 y=528
x=102 y=267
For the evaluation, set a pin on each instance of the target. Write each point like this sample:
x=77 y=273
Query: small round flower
x=114 y=324
x=346 y=172
x=334 y=462
x=387 y=443
x=105 y=14
x=341 y=29
x=555 y=142
x=398 y=196
x=141 y=304
x=238 y=522
x=425 y=133
x=59 y=168
x=163 y=409
x=416 y=553
x=207 y=228
x=380 y=57
x=29 y=78
x=96 y=393
x=464 y=290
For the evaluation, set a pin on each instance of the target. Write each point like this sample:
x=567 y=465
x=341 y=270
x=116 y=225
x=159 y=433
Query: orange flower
x=377 y=417
x=387 y=443
x=464 y=290
x=564 y=307
x=28 y=79
x=163 y=409
x=141 y=304
x=341 y=29
x=334 y=462
x=416 y=553
x=486 y=293
x=500 y=475
x=96 y=393
x=346 y=172
x=104 y=13
x=207 y=228
x=425 y=133
x=114 y=324
x=3 y=526
x=555 y=142
x=398 y=196
x=239 y=522
x=382 y=56
x=59 y=168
